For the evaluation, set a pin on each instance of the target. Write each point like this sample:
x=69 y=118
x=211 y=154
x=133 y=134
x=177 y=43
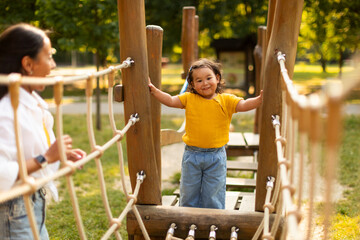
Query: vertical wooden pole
x=196 y=38
x=154 y=35
x=284 y=34
x=333 y=133
x=258 y=56
x=139 y=139
x=187 y=38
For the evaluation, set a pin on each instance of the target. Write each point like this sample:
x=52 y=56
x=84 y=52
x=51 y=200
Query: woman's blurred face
x=43 y=63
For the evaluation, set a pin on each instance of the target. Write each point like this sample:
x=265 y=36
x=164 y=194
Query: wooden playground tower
x=144 y=45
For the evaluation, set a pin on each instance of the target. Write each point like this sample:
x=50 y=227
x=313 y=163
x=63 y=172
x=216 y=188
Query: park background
x=85 y=34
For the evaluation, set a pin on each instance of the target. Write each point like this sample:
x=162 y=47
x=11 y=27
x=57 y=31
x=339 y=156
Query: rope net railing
x=309 y=126
x=28 y=185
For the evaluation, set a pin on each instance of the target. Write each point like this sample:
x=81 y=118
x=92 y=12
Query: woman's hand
x=53 y=154
x=75 y=154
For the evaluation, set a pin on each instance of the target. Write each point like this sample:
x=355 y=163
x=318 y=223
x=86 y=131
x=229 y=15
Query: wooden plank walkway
x=242 y=201
x=242 y=144
x=240 y=165
x=240 y=182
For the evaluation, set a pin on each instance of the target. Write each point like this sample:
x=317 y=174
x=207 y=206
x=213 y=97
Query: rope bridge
x=302 y=120
x=29 y=185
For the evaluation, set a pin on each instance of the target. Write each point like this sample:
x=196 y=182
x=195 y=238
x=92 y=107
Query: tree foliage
x=13 y=12
x=330 y=30
x=84 y=25
x=217 y=19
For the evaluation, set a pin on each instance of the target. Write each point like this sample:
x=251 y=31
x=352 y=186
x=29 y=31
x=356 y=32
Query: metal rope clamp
x=134 y=118
x=172 y=229
x=234 y=235
x=275 y=120
x=141 y=176
x=280 y=56
x=270 y=182
x=128 y=62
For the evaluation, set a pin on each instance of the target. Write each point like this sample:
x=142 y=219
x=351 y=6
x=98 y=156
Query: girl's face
x=205 y=82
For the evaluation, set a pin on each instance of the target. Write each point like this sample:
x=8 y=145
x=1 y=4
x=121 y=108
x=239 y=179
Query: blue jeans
x=203 y=177
x=14 y=223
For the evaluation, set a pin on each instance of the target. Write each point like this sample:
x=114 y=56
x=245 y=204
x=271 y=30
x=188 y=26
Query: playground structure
x=283 y=118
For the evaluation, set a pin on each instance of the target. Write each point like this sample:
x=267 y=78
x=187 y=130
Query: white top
x=32 y=111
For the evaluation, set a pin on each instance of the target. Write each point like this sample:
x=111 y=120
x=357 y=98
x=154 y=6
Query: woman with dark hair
x=27 y=50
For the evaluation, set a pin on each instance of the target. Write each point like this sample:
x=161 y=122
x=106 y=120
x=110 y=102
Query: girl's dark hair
x=16 y=42
x=205 y=63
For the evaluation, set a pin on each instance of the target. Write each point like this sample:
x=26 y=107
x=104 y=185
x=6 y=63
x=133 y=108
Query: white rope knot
x=290 y=187
x=267 y=237
x=295 y=212
x=132 y=197
x=282 y=140
x=100 y=149
x=72 y=167
x=269 y=206
x=115 y=221
x=120 y=133
x=284 y=162
x=29 y=180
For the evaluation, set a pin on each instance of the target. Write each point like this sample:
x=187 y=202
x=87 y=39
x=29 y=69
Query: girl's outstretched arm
x=250 y=103
x=165 y=98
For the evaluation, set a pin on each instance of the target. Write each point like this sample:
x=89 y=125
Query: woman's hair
x=16 y=42
x=205 y=63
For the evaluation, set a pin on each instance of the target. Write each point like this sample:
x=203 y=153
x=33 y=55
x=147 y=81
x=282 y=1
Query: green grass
x=60 y=219
x=349 y=168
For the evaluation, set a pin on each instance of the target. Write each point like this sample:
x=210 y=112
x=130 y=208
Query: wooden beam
x=284 y=34
x=118 y=93
x=257 y=62
x=170 y=136
x=196 y=38
x=187 y=38
x=157 y=220
x=139 y=138
x=154 y=39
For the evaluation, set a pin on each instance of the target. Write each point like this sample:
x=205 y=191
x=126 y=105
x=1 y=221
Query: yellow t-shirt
x=208 y=121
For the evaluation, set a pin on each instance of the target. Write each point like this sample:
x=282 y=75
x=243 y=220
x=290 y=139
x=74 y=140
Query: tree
x=217 y=19
x=330 y=30
x=344 y=29
x=13 y=12
x=313 y=35
x=90 y=25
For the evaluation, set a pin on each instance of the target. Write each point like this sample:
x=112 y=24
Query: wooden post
x=154 y=35
x=139 y=139
x=196 y=38
x=187 y=38
x=258 y=56
x=283 y=37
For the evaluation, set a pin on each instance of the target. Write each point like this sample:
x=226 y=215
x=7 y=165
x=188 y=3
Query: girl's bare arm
x=250 y=103
x=165 y=98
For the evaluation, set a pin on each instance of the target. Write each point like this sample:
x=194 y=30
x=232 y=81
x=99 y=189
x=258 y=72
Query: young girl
x=208 y=114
